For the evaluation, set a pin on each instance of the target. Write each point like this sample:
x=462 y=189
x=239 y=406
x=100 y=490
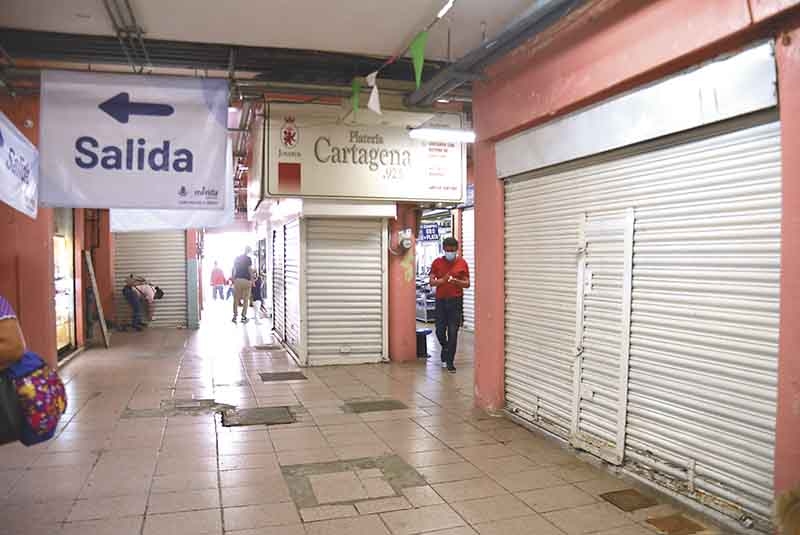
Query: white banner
x=136 y=220
x=310 y=153
x=130 y=141
x=19 y=169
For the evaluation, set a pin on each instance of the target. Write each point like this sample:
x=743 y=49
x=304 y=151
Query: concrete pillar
x=489 y=281
x=787 y=446
x=192 y=279
x=402 y=289
x=26 y=256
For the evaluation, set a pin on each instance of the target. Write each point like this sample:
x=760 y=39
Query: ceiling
x=363 y=27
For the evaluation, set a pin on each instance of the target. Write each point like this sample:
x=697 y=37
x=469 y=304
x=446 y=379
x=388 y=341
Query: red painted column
x=787 y=446
x=26 y=256
x=103 y=258
x=489 y=281
x=402 y=289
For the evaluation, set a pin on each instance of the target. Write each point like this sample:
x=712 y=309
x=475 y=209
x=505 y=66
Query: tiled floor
x=120 y=465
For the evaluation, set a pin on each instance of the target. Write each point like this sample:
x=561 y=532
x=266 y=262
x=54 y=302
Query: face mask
x=450 y=255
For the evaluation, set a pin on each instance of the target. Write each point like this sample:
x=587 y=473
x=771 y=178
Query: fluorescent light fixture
x=444 y=135
x=445 y=8
x=443 y=100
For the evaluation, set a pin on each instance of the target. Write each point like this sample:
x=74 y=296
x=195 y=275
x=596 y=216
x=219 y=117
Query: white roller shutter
x=292 y=263
x=279 y=283
x=345 y=291
x=160 y=257
x=468 y=250
x=701 y=393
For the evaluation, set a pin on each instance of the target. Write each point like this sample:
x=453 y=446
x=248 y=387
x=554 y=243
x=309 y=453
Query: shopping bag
x=41 y=396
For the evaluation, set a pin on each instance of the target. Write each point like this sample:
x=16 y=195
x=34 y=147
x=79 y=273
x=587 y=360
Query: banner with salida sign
x=310 y=152
x=133 y=141
x=19 y=169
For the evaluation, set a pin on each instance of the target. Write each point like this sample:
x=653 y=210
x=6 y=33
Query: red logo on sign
x=289 y=133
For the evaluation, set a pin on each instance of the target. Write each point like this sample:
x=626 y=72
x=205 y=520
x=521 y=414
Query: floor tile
x=556 y=498
x=337 y=487
x=492 y=509
x=245 y=478
x=185 y=481
x=292 y=458
x=117 y=526
x=471 y=489
x=425 y=519
x=377 y=488
x=174 y=502
x=106 y=508
x=249 y=462
x=270 y=490
x=327 y=512
x=365 y=525
x=431 y=458
x=532 y=480
x=422 y=496
x=258 y=516
x=586 y=519
x=524 y=525
x=449 y=472
x=188 y=523
x=384 y=505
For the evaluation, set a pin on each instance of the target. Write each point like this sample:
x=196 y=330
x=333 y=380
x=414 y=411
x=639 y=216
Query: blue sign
x=429 y=232
x=129 y=141
x=19 y=169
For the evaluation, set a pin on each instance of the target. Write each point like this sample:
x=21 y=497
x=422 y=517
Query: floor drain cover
x=282 y=376
x=259 y=416
x=629 y=500
x=676 y=525
x=375 y=406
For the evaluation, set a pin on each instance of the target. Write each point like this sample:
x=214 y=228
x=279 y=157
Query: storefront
x=64 y=279
x=330 y=189
x=639 y=308
x=435 y=226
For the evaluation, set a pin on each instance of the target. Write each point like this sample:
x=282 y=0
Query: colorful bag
x=41 y=396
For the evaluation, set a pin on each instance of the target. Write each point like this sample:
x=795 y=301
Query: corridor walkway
x=133 y=458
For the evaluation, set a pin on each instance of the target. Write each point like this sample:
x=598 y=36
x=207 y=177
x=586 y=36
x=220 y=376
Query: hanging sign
x=130 y=141
x=429 y=232
x=19 y=169
x=141 y=220
x=311 y=153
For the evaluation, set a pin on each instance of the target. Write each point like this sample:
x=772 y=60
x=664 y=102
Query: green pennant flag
x=417 y=50
x=356 y=94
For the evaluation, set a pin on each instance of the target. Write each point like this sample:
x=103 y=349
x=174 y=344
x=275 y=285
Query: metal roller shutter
x=345 y=266
x=468 y=250
x=160 y=257
x=292 y=263
x=701 y=392
x=278 y=283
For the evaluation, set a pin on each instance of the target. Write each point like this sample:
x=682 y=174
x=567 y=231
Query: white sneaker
x=444 y=365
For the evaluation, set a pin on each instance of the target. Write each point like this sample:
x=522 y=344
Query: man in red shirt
x=449 y=275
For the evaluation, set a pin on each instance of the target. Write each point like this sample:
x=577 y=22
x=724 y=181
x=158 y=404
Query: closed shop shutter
x=160 y=257
x=468 y=250
x=345 y=292
x=292 y=263
x=278 y=283
x=694 y=407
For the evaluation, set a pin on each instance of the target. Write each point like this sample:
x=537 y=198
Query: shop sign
x=125 y=141
x=19 y=169
x=429 y=232
x=470 y=195
x=315 y=155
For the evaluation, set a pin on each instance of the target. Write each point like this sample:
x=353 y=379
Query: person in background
x=12 y=343
x=141 y=296
x=229 y=285
x=450 y=276
x=242 y=282
x=217 y=282
x=258 y=296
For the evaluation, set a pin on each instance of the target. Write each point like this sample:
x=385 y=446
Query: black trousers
x=448 y=321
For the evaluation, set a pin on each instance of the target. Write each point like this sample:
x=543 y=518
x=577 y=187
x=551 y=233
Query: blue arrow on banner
x=121 y=108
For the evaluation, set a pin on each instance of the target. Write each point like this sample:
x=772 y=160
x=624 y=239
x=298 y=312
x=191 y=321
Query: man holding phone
x=450 y=276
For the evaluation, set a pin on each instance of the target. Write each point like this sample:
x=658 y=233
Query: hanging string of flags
x=417 y=50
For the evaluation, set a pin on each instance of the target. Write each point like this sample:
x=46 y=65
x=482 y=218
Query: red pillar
x=787 y=445
x=402 y=289
x=26 y=256
x=489 y=281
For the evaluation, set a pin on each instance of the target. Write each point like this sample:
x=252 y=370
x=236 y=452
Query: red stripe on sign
x=289 y=177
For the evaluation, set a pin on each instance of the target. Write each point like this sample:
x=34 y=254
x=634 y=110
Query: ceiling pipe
x=540 y=17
